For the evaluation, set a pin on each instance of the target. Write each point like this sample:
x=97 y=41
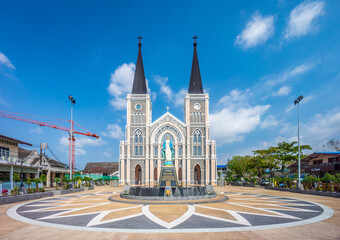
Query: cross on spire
x=139 y=38
x=195 y=37
x=167 y=108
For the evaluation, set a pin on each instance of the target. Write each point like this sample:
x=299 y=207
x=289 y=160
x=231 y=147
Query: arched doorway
x=197 y=174
x=155 y=177
x=138 y=174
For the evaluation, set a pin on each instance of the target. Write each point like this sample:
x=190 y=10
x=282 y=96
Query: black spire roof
x=139 y=83
x=195 y=85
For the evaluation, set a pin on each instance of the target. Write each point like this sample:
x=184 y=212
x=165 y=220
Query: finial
x=195 y=37
x=167 y=108
x=139 y=38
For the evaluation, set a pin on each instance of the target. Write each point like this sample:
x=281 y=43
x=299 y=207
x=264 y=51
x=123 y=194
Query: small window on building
x=199 y=150
x=155 y=152
x=195 y=150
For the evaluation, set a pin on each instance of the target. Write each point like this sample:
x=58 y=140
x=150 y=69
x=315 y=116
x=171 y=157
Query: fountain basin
x=158 y=194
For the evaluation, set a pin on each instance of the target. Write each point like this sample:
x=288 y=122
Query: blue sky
x=255 y=57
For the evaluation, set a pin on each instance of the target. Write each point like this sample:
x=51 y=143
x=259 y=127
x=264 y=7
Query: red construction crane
x=16 y=116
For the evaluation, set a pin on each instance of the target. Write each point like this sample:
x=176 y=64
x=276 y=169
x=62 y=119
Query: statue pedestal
x=168 y=177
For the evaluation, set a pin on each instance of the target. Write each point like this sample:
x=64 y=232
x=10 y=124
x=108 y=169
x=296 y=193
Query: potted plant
x=4 y=192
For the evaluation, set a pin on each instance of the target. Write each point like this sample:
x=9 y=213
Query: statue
x=168 y=152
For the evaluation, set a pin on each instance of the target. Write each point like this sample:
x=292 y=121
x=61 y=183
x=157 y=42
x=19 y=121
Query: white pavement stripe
x=184 y=217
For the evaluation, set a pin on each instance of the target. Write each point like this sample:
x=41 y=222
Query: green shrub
x=328 y=178
x=14 y=191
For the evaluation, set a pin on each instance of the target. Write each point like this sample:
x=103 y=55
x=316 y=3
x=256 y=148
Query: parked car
x=264 y=182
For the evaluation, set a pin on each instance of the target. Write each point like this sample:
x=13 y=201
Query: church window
x=180 y=150
x=199 y=150
x=155 y=152
x=138 y=143
x=197 y=142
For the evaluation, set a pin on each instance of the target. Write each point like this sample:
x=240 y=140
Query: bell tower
x=196 y=117
x=139 y=117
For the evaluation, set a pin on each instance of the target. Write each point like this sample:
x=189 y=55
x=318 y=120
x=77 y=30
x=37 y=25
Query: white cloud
x=235 y=98
x=283 y=91
x=316 y=131
x=302 y=19
x=268 y=122
x=5 y=61
x=176 y=98
x=304 y=101
x=236 y=118
x=107 y=154
x=287 y=74
x=81 y=143
x=113 y=131
x=38 y=130
x=258 y=30
x=121 y=84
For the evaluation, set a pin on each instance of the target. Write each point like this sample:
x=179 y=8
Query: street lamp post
x=297 y=102
x=73 y=101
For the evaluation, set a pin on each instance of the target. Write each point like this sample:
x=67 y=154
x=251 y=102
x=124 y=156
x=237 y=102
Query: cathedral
x=140 y=159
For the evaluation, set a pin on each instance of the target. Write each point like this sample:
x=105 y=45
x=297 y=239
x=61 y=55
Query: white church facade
x=140 y=157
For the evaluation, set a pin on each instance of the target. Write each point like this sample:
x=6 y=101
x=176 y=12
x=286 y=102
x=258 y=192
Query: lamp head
x=72 y=99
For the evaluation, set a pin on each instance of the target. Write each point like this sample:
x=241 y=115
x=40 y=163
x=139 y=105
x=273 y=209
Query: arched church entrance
x=138 y=174
x=155 y=177
x=197 y=174
x=179 y=174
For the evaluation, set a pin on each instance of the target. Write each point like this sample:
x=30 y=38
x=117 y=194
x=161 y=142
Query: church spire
x=195 y=85
x=139 y=84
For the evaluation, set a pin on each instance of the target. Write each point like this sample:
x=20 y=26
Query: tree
x=238 y=166
x=334 y=144
x=56 y=180
x=16 y=178
x=257 y=166
x=29 y=182
x=36 y=181
x=287 y=153
x=43 y=178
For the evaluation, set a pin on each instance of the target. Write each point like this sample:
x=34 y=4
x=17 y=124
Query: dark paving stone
x=202 y=222
x=28 y=207
x=302 y=215
x=257 y=220
x=36 y=215
x=314 y=207
x=81 y=221
x=140 y=222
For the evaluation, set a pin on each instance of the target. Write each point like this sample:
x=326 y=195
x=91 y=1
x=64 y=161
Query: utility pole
x=297 y=101
x=40 y=161
x=72 y=150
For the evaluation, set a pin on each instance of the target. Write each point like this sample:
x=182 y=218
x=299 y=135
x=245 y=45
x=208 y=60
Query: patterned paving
x=243 y=211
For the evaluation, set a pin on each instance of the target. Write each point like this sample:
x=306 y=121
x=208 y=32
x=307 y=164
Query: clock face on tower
x=197 y=106
x=138 y=106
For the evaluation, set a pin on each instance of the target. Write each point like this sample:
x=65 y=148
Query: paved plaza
x=248 y=213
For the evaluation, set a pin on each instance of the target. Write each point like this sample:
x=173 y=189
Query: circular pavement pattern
x=243 y=211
